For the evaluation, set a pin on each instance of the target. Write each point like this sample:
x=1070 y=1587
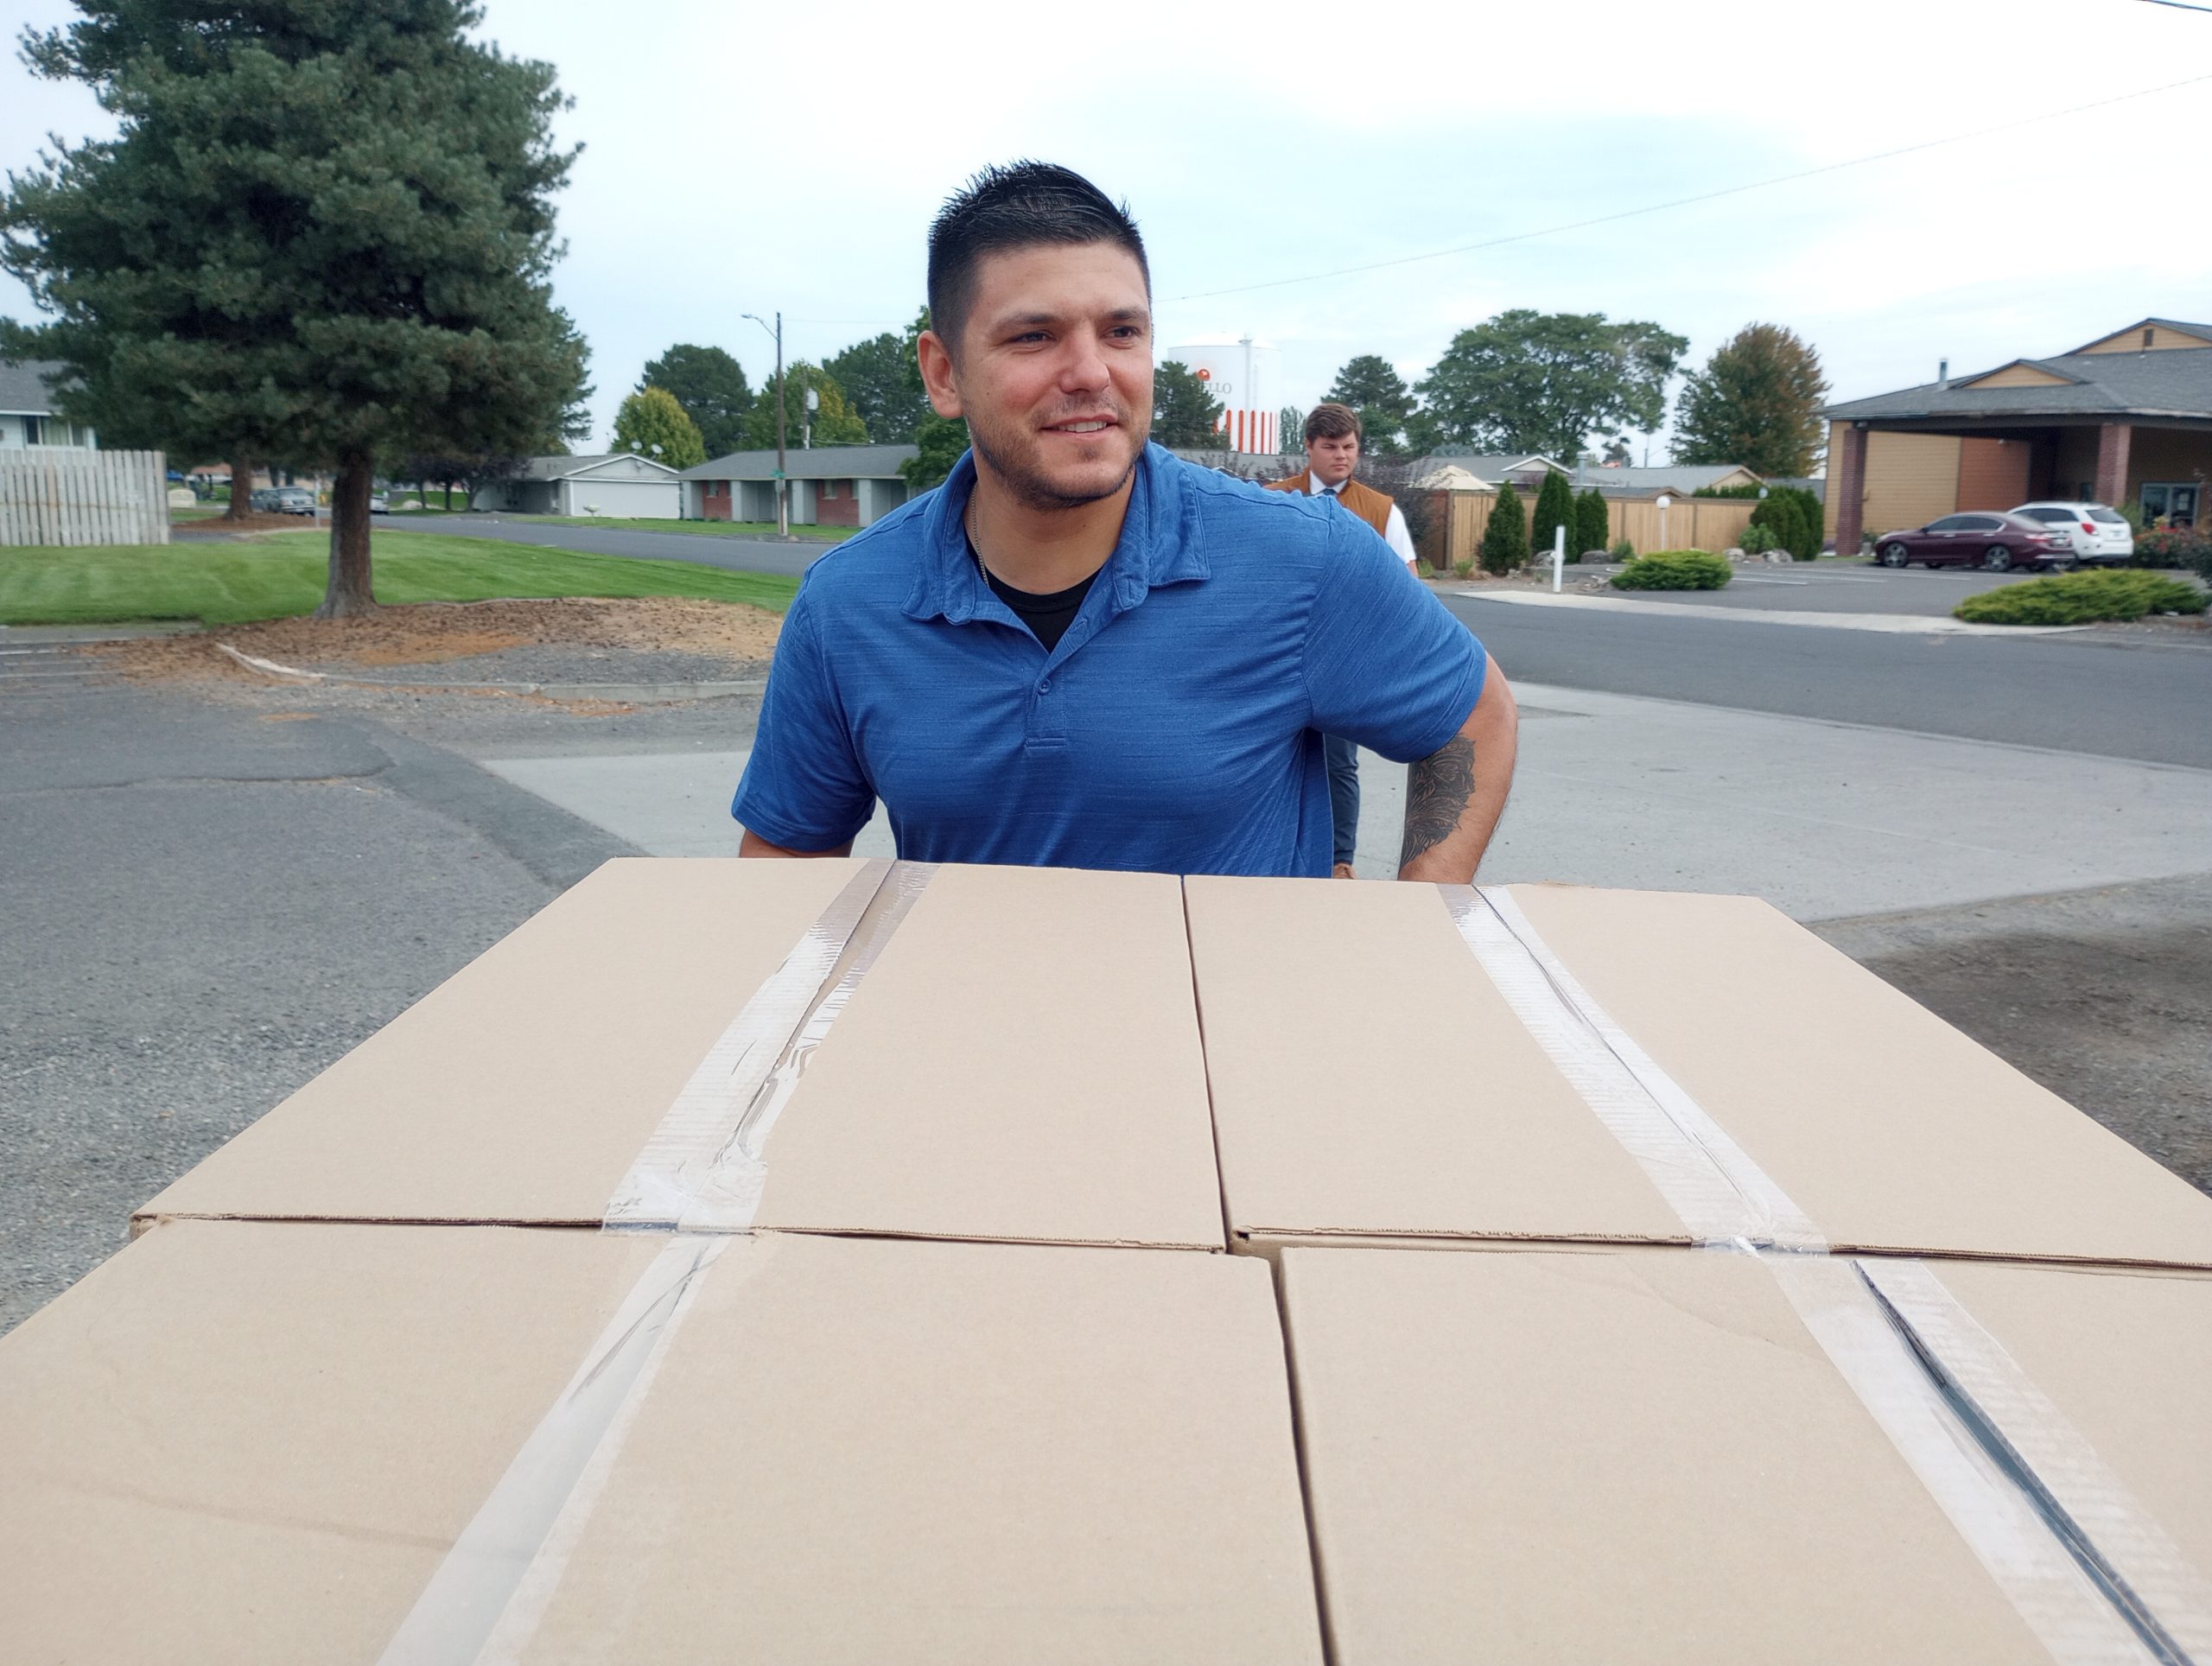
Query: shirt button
x=1044 y=687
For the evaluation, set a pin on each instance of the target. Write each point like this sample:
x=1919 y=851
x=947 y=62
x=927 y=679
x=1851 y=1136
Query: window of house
x=2176 y=500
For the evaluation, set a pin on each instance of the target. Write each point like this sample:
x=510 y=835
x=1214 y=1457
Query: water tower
x=1246 y=376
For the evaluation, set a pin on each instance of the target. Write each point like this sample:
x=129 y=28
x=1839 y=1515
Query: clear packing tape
x=2086 y=1566
x=699 y=1178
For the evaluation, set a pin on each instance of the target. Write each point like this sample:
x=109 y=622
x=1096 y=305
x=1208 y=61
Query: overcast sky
x=751 y=158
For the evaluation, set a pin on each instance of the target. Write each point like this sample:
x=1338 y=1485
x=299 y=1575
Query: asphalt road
x=2116 y=695
x=733 y=554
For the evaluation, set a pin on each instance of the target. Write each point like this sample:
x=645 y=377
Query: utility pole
x=783 y=483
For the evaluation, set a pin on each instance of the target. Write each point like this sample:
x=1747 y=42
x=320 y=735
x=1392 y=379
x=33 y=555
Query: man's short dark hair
x=1334 y=422
x=1016 y=207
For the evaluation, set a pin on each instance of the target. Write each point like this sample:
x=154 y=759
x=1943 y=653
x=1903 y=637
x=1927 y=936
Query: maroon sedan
x=1998 y=543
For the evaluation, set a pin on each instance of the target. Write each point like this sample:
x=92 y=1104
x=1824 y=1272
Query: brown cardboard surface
x=1601 y=1457
x=1370 y=1082
x=1889 y=1128
x=239 y=1441
x=2126 y=1358
x=1368 y=1077
x=521 y=1088
x=253 y=1441
x=1022 y=1062
x=981 y=1453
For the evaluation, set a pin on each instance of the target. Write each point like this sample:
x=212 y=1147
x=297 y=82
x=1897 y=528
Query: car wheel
x=1895 y=554
x=1997 y=558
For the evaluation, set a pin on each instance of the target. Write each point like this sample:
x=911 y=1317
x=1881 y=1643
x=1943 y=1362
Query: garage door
x=629 y=499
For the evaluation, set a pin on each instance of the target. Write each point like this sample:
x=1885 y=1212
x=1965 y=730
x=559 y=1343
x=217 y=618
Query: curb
x=622 y=693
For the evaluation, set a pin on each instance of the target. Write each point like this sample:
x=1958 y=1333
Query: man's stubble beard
x=1030 y=488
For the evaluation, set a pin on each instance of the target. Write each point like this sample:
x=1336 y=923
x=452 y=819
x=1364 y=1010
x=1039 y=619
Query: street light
x=783 y=500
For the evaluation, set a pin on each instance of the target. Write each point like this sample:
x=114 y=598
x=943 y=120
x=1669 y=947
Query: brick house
x=2126 y=420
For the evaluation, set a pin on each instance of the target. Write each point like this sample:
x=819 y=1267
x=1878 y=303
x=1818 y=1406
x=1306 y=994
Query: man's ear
x=936 y=361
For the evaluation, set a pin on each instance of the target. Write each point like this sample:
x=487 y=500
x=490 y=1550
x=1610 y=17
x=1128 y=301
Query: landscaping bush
x=1793 y=515
x=1591 y=523
x=1623 y=551
x=1757 y=540
x=1674 y=570
x=1554 y=509
x=2079 y=598
x=1505 y=540
x=2176 y=546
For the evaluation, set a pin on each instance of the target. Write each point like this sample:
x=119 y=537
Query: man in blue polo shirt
x=1080 y=651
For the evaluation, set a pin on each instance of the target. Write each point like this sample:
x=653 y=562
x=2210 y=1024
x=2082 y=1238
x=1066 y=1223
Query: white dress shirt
x=1394 y=533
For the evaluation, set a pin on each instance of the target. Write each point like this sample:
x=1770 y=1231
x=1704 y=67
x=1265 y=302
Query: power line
x=1708 y=196
x=2178 y=5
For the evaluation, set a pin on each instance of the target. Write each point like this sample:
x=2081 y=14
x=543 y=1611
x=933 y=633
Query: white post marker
x=1663 y=501
x=1558 y=555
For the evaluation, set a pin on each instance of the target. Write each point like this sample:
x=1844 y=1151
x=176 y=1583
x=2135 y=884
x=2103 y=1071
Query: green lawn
x=281 y=574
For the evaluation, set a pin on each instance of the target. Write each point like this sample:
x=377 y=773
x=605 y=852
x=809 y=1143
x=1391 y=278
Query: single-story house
x=2125 y=420
x=829 y=486
x=1673 y=480
x=618 y=485
x=27 y=408
x=1524 y=472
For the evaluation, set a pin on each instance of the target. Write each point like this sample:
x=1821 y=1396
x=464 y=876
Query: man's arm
x=1456 y=794
x=753 y=845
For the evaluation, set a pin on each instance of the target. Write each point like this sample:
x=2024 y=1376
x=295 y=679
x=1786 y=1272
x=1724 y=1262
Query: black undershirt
x=1047 y=617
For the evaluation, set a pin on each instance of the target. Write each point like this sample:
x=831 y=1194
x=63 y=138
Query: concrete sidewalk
x=1826 y=820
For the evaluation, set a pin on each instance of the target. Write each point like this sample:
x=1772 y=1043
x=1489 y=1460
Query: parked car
x=2099 y=532
x=1998 y=543
x=281 y=501
x=378 y=504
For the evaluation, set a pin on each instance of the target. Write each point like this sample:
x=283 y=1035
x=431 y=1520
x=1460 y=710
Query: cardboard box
x=1372 y=1079
x=1020 y=1061
x=1648 y=1455
x=250 y=1441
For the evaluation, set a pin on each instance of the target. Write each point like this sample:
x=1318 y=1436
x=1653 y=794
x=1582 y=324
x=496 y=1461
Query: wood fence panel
x=70 y=496
x=1714 y=523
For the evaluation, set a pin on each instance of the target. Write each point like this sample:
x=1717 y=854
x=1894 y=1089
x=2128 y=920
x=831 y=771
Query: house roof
x=1671 y=477
x=2170 y=382
x=1494 y=466
x=562 y=468
x=821 y=463
x=2203 y=331
x=23 y=386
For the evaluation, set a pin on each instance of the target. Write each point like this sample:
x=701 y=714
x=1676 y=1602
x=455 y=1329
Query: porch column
x=1848 y=487
x=2112 y=440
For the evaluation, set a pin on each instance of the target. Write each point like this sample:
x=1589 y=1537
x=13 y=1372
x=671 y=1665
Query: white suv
x=2099 y=534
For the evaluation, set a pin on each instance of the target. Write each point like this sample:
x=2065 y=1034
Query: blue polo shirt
x=1176 y=728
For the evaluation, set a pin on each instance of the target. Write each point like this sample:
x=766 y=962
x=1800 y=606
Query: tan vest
x=1364 y=501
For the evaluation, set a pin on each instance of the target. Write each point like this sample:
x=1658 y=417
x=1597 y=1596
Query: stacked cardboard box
x=824 y=1260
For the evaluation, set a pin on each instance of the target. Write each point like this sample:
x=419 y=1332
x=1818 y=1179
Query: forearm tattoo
x=1437 y=790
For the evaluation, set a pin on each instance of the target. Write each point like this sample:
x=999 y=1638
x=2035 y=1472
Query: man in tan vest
x=1333 y=437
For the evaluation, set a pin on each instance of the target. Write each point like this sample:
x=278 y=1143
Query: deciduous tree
x=320 y=234
x=872 y=374
x=653 y=425
x=1543 y=382
x=1184 y=411
x=833 y=421
x=1756 y=403
x=1371 y=386
x=711 y=387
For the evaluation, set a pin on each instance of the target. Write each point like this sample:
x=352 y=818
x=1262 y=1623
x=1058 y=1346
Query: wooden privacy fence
x=1714 y=523
x=72 y=495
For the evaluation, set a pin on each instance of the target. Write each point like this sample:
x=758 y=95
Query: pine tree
x=653 y=425
x=1555 y=508
x=1371 y=384
x=320 y=233
x=1593 y=526
x=1505 y=539
x=1184 y=409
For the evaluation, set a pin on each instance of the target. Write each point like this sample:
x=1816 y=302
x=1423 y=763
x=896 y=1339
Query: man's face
x=1332 y=460
x=1053 y=371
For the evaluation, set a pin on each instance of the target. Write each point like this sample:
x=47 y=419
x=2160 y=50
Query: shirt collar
x=1160 y=544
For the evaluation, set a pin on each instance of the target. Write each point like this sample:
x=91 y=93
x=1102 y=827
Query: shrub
x=2079 y=597
x=1757 y=540
x=1623 y=551
x=1505 y=540
x=1465 y=569
x=2176 y=546
x=1725 y=491
x=1793 y=515
x=1674 y=570
x=1591 y=523
x=1555 y=508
